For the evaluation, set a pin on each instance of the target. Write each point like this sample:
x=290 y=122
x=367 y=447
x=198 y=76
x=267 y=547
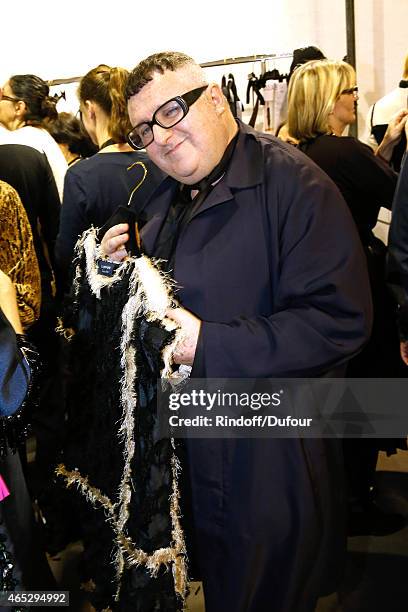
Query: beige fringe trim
x=92 y=494
x=67 y=332
x=174 y=554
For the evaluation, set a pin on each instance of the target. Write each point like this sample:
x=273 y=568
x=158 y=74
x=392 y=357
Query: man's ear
x=21 y=109
x=218 y=98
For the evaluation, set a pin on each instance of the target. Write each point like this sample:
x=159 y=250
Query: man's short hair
x=158 y=62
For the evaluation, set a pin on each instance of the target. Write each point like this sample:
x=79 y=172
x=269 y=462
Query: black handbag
x=19 y=370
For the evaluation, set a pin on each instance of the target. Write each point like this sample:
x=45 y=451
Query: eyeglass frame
x=350 y=90
x=8 y=99
x=185 y=101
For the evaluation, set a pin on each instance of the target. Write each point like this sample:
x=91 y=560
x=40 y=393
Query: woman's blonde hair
x=405 y=74
x=106 y=86
x=313 y=91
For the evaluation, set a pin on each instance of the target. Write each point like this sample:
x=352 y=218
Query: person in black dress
x=95 y=187
x=28 y=171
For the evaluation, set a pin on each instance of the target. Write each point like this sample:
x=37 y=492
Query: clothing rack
x=262 y=57
x=246 y=59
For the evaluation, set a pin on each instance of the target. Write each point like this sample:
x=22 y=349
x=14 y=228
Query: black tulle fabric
x=95 y=448
x=8 y=573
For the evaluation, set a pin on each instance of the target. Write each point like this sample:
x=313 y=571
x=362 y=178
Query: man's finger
x=116 y=230
x=114 y=244
x=404 y=352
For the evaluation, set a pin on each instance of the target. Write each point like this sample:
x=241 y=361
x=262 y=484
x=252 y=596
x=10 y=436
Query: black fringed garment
x=127 y=476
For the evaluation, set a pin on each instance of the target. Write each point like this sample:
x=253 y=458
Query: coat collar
x=245 y=170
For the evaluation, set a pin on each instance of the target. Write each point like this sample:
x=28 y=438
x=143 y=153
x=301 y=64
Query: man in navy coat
x=272 y=283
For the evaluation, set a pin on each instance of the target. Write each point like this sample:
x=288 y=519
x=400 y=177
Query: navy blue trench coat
x=272 y=264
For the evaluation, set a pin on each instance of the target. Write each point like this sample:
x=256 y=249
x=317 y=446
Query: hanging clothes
x=229 y=89
x=254 y=85
x=275 y=108
x=270 y=89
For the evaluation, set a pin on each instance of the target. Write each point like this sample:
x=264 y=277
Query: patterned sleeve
x=17 y=255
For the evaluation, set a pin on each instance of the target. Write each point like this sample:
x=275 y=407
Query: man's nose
x=162 y=135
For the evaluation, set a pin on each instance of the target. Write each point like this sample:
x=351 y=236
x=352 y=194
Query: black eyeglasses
x=350 y=90
x=166 y=116
x=3 y=97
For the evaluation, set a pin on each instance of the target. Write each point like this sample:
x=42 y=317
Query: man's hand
x=404 y=351
x=114 y=240
x=190 y=326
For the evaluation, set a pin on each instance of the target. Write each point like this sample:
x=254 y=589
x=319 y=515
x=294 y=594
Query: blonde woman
x=322 y=102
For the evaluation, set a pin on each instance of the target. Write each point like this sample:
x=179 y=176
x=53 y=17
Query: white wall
x=57 y=40
x=66 y=39
x=382 y=44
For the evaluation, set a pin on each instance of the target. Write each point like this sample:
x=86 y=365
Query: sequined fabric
x=17 y=255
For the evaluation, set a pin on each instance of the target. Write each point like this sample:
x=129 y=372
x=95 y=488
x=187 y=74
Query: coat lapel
x=244 y=171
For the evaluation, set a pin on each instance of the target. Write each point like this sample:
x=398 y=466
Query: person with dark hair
x=271 y=283
x=303 y=55
x=69 y=133
x=95 y=187
x=25 y=107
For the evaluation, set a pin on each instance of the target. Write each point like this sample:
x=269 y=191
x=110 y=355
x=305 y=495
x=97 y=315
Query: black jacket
x=28 y=171
x=272 y=264
x=398 y=248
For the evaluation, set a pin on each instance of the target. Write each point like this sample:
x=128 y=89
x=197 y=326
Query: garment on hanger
x=125 y=473
x=229 y=89
x=254 y=85
x=274 y=90
x=270 y=89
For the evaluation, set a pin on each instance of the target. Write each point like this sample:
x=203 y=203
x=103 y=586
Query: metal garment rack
x=246 y=59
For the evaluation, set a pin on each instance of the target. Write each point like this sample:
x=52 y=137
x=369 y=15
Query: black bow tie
x=217 y=172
